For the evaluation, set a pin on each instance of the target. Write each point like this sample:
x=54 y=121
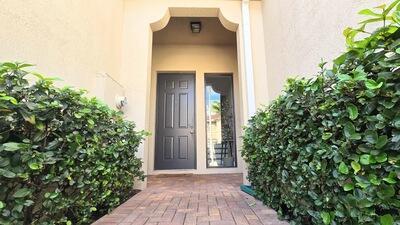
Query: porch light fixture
x=195 y=27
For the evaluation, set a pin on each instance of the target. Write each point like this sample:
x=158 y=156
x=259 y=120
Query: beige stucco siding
x=73 y=40
x=200 y=59
x=299 y=33
x=258 y=52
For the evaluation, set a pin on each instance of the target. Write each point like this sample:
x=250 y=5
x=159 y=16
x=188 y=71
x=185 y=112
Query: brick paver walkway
x=192 y=199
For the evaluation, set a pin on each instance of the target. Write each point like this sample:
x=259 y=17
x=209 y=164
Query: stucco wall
x=76 y=41
x=258 y=52
x=200 y=59
x=299 y=33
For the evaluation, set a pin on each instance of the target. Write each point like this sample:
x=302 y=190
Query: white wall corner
x=248 y=58
x=249 y=70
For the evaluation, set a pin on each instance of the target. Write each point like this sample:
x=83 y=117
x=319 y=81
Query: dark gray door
x=175 y=127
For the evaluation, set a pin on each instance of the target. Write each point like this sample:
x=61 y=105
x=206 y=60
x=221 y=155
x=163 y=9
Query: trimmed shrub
x=64 y=158
x=327 y=151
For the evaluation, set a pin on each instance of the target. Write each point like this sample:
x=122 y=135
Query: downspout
x=248 y=64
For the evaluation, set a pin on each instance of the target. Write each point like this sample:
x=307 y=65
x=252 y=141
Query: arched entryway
x=141 y=20
x=190 y=134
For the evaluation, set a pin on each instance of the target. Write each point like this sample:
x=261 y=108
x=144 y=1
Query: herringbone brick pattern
x=192 y=199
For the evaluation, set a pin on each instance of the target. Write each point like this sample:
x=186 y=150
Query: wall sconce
x=120 y=102
x=195 y=27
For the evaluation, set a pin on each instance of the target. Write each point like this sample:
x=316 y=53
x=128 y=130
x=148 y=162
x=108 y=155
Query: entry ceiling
x=178 y=32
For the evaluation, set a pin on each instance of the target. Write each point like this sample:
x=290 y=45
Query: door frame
x=194 y=116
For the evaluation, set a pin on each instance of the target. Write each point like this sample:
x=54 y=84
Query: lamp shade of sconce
x=120 y=102
x=195 y=27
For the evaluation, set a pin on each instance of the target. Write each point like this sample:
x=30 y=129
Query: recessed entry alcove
x=195 y=100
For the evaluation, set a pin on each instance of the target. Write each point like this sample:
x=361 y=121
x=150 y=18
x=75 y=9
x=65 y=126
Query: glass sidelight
x=220 y=121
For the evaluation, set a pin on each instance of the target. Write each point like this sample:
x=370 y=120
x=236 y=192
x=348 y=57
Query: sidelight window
x=220 y=121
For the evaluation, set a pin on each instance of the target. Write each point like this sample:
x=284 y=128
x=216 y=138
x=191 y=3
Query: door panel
x=175 y=137
x=169 y=110
x=183 y=110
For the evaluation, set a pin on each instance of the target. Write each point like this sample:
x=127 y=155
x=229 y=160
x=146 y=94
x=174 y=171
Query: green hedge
x=327 y=151
x=64 y=158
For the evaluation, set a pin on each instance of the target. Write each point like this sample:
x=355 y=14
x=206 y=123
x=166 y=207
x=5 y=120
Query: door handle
x=191 y=129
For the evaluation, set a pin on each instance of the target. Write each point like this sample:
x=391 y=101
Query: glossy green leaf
x=374 y=20
x=374 y=179
x=10 y=99
x=392 y=5
x=23 y=192
x=353 y=111
x=28 y=116
x=368 y=12
x=381 y=142
x=326 y=217
x=12 y=146
x=344 y=77
x=365 y=159
x=343 y=168
x=397 y=122
x=390 y=180
x=326 y=136
x=364 y=203
x=7 y=173
x=381 y=158
x=350 y=131
x=386 y=192
x=372 y=85
x=34 y=165
x=348 y=187
x=356 y=166
x=371 y=136
x=91 y=122
x=4 y=162
x=386 y=219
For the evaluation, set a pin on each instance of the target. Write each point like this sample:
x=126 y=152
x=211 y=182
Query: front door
x=175 y=126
